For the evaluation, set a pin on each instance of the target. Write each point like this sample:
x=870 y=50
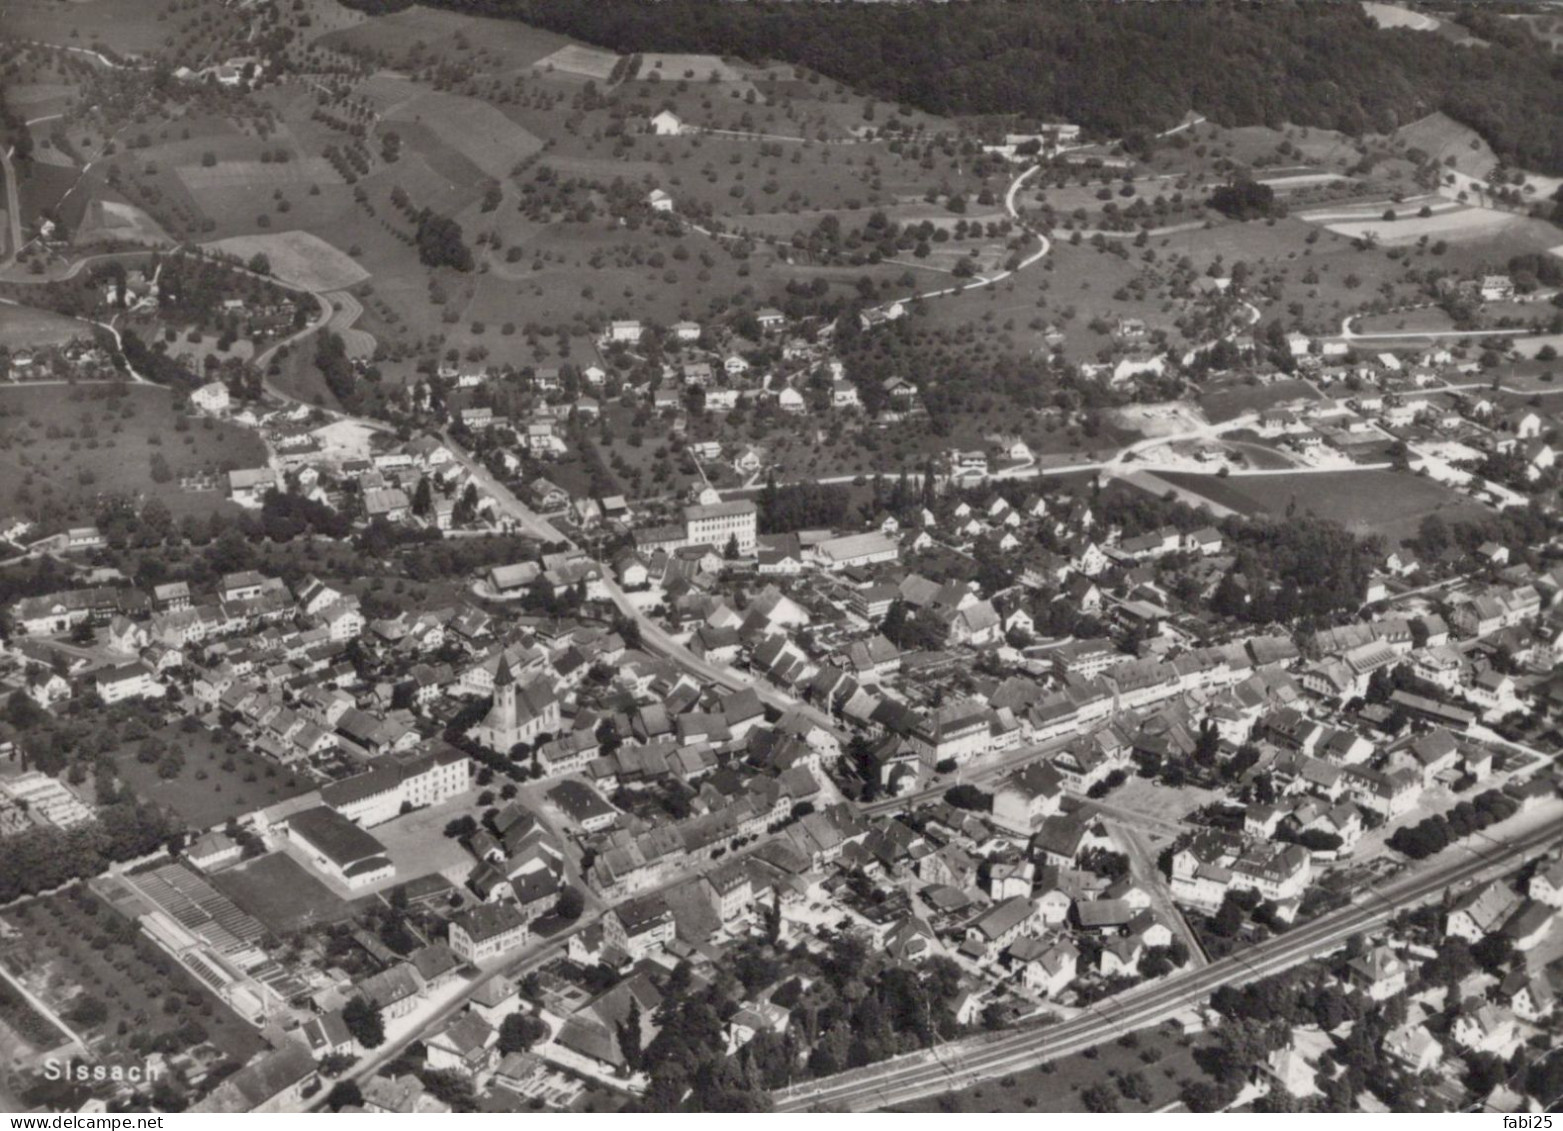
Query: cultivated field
x=300 y=258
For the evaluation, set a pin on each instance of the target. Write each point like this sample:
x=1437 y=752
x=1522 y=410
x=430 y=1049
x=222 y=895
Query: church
x=519 y=714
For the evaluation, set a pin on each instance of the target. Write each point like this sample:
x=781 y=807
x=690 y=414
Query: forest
x=1118 y=70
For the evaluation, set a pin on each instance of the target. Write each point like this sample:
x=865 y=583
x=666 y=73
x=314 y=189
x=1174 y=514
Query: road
x=522 y=515
x=13 y=211
x=959 y=1064
x=1142 y=866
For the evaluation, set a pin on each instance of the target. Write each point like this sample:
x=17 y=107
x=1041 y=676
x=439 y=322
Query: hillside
x=1115 y=69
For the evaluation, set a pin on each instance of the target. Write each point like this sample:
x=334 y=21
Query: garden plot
x=300 y=258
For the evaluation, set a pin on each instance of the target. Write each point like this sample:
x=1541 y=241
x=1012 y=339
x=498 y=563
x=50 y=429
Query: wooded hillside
x=1115 y=69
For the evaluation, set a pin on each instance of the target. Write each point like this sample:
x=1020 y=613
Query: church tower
x=504 y=711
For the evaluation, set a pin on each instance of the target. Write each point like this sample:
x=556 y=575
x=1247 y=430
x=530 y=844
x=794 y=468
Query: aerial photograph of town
x=789 y=556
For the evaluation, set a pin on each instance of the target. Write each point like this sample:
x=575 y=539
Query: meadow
x=63 y=449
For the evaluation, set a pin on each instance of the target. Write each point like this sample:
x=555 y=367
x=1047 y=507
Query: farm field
x=281 y=894
x=1387 y=503
x=213 y=784
x=63 y=449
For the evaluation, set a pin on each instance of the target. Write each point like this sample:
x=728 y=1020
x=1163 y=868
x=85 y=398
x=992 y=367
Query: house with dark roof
x=273 y=1082
x=486 y=931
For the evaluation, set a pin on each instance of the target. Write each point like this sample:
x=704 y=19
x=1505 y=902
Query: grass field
x=63 y=448
x=1387 y=503
x=281 y=894
x=213 y=785
x=26 y=326
x=300 y=258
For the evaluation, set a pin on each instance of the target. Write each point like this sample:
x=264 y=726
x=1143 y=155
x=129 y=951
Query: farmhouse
x=666 y=124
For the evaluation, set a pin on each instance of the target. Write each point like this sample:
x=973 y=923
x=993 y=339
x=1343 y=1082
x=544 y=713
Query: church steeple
x=505 y=693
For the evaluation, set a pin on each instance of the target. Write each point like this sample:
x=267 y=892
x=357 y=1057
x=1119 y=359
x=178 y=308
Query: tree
x=441 y=244
x=519 y=1031
x=1245 y=199
x=363 y=1020
x=344 y=1093
x=571 y=904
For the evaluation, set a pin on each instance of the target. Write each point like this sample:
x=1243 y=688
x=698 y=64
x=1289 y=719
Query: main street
x=959 y=1064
